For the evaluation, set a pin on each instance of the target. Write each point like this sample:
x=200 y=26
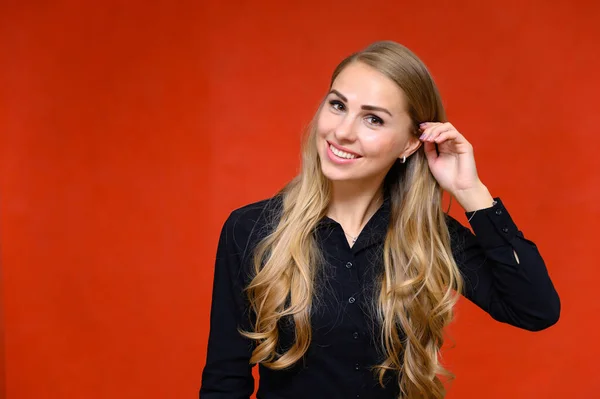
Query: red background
x=129 y=131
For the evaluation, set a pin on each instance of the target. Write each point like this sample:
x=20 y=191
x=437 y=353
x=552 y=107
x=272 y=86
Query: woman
x=341 y=285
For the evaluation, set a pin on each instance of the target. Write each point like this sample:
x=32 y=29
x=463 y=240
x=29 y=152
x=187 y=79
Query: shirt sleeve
x=228 y=373
x=520 y=292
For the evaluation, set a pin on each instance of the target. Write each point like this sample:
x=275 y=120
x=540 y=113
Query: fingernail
x=423 y=124
x=422 y=136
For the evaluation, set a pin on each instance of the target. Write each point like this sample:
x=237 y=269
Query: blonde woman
x=341 y=285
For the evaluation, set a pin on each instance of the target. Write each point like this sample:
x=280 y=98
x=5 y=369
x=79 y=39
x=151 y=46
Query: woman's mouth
x=341 y=154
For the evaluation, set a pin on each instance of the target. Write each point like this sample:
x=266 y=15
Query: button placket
x=352 y=288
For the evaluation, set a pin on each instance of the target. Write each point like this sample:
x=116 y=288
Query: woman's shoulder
x=252 y=222
x=263 y=211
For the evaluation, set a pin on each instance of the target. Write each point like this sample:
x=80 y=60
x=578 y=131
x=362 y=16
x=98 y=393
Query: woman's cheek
x=378 y=143
x=371 y=142
x=325 y=123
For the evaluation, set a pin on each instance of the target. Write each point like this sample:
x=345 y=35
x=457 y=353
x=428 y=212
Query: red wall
x=129 y=130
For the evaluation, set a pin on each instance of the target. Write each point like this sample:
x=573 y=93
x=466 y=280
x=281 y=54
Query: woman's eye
x=375 y=120
x=338 y=106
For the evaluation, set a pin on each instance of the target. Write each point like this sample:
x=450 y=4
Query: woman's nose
x=345 y=130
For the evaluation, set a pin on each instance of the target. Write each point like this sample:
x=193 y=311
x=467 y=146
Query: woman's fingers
x=450 y=134
x=438 y=132
x=430 y=150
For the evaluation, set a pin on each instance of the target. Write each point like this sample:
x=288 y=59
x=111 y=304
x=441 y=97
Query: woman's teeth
x=341 y=153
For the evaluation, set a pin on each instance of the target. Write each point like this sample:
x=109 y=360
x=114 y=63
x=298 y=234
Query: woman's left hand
x=454 y=167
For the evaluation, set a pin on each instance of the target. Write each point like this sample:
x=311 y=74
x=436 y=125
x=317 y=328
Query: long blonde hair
x=418 y=285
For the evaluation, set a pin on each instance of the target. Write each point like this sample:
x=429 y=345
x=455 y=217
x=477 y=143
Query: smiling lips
x=342 y=154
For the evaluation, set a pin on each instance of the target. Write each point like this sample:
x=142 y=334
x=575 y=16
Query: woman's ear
x=411 y=147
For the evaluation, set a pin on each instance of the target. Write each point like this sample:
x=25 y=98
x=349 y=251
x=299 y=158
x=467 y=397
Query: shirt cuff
x=492 y=226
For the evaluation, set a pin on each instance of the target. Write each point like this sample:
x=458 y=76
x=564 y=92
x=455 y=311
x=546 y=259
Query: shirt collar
x=374 y=231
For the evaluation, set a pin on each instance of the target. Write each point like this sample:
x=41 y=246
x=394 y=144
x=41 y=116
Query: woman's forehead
x=361 y=83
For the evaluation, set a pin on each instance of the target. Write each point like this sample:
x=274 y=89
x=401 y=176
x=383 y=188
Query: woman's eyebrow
x=340 y=95
x=365 y=107
x=374 y=108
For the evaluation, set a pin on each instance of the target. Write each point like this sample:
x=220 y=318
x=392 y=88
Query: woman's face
x=363 y=126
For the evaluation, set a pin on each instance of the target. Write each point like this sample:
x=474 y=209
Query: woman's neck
x=352 y=206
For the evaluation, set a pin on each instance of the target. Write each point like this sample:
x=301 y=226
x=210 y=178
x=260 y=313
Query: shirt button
x=351 y=299
x=355 y=335
x=498 y=211
x=348 y=265
x=356 y=367
x=505 y=229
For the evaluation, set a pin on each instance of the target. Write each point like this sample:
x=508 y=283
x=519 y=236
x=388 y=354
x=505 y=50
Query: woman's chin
x=337 y=175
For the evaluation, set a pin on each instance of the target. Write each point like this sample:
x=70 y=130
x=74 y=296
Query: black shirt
x=343 y=346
